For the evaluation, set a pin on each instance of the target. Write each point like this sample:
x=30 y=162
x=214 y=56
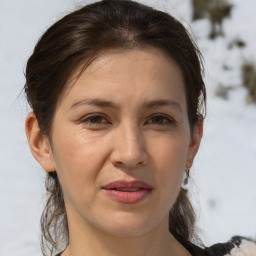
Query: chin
x=129 y=225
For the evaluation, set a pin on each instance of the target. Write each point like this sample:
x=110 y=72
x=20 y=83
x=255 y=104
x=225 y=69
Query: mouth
x=128 y=191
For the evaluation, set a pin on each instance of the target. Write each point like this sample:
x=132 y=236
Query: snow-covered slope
x=224 y=174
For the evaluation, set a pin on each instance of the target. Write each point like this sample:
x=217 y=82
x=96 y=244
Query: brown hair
x=79 y=38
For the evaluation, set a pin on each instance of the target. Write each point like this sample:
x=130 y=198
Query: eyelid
x=168 y=120
x=166 y=116
x=86 y=119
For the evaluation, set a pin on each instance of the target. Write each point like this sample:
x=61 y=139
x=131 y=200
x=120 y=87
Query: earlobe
x=39 y=144
x=194 y=143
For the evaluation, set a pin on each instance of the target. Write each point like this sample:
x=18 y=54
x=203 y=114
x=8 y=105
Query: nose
x=129 y=147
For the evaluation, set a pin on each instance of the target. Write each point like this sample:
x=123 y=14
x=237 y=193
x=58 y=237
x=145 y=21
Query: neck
x=86 y=240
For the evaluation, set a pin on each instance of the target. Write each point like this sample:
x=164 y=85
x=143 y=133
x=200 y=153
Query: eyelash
x=89 y=120
x=165 y=120
x=168 y=120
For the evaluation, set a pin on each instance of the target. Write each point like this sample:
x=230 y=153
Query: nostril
x=120 y=164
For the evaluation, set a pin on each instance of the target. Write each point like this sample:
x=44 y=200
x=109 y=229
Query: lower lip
x=128 y=197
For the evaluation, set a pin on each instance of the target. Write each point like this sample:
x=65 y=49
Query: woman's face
x=121 y=140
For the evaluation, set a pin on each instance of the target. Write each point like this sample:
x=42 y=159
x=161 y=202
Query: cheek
x=169 y=158
x=76 y=150
x=78 y=161
x=171 y=151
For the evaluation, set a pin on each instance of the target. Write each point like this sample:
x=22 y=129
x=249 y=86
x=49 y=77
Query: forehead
x=140 y=72
x=129 y=60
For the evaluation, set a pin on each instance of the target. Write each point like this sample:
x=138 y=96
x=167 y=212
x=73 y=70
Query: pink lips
x=128 y=191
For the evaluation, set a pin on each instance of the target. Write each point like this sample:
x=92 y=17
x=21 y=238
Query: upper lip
x=123 y=184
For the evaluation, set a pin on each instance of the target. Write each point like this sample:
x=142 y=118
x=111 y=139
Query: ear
x=39 y=144
x=195 y=142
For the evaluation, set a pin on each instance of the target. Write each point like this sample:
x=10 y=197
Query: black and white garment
x=237 y=246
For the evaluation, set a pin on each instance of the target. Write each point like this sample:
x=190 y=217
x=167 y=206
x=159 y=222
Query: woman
x=118 y=104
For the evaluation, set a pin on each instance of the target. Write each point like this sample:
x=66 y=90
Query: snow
x=224 y=173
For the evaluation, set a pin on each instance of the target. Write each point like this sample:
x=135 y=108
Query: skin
x=141 y=133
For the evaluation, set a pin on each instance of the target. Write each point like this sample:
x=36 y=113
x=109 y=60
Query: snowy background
x=224 y=173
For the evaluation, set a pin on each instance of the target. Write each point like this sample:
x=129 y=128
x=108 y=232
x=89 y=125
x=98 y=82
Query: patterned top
x=237 y=246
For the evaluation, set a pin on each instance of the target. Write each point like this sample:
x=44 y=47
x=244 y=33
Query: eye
x=160 y=119
x=95 y=120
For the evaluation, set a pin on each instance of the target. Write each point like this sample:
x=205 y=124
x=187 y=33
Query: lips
x=127 y=191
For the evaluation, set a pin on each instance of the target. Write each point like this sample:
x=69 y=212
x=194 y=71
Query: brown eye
x=95 y=120
x=160 y=120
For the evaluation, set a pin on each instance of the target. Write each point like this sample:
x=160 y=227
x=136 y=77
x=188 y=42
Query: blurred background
x=223 y=184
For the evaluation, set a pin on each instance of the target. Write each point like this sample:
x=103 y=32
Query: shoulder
x=236 y=246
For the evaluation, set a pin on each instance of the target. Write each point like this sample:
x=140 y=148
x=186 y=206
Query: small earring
x=187 y=176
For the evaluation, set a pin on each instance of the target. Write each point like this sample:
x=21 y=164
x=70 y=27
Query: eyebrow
x=110 y=104
x=159 y=103
x=96 y=102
